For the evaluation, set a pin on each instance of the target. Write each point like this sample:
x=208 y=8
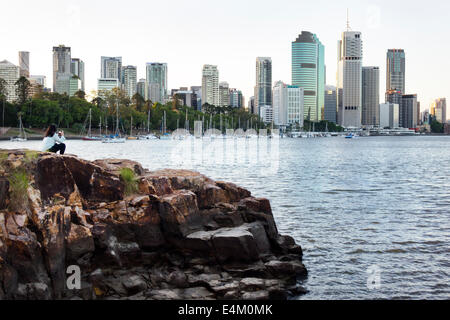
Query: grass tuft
x=128 y=178
x=18 y=184
x=31 y=155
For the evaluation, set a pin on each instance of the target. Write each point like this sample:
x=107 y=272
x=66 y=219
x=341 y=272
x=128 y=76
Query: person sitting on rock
x=54 y=142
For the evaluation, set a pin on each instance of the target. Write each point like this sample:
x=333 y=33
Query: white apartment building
x=210 y=85
x=104 y=85
x=288 y=104
x=10 y=73
x=129 y=74
x=349 y=79
x=389 y=115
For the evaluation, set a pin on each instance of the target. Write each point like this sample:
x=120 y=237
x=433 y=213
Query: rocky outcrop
x=181 y=236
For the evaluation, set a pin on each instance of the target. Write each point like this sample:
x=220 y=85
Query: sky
x=229 y=34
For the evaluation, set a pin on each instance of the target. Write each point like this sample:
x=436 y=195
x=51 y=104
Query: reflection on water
x=351 y=204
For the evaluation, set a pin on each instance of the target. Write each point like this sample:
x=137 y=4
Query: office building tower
x=61 y=69
x=10 y=73
x=263 y=88
x=408 y=111
x=24 y=63
x=77 y=69
x=224 y=94
x=129 y=76
x=251 y=105
x=439 y=110
x=329 y=113
x=210 y=85
x=395 y=70
x=156 y=75
x=106 y=85
x=308 y=72
x=266 y=114
x=349 y=79
x=74 y=85
x=288 y=105
x=41 y=80
x=370 y=96
x=142 y=88
x=111 y=68
x=197 y=90
x=236 y=98
x=389 y=115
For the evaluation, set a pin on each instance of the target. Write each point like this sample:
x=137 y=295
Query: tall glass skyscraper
x=308 y=72
x=395 y=70
x=157 y=81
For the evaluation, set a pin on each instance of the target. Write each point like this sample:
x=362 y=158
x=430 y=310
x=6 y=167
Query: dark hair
x=51 y=130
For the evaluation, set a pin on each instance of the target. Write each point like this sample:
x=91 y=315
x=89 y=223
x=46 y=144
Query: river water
x=371 y=214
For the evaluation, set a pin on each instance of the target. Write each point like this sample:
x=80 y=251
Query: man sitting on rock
x=53 y=142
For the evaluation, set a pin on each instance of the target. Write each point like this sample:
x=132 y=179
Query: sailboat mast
x=90 y=122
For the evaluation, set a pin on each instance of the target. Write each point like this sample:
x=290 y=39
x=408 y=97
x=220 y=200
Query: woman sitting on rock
x=53 y=142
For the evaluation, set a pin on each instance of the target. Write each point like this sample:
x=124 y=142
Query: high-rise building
x=263 y=88
x=389 y=115
x=288 y=104
x=111 y=68
x=308 y=72
x=41 y=80
x=439 y=110
x=210 y=85
x=224 y=94
x=61 y=69
x=330 y=104
x=77 y=69
x=142 y=88
x=105 y=85
x=370 y=96
x=251 y=106
x=129 y=75
x=24 y=63
x=266 y=113
x=236 y=98
x=74 y=85
x=408 y=111
x=197 y=90
x=10 y=73
x=349 y=79
x=395 y=70
x=394 y=96
x=156 y=75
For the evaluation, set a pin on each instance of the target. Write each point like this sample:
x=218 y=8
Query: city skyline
x=75 y=27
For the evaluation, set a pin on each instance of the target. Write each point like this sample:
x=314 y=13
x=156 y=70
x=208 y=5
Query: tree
x=436 y=126
x=138 y=101
x=23 y=87
x=3 y=93
x=80 y=94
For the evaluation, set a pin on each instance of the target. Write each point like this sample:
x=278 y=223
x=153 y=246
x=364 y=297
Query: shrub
x=18 y=184
x=129 y=180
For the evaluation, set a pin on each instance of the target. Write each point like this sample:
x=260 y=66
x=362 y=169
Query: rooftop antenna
x=348 y=22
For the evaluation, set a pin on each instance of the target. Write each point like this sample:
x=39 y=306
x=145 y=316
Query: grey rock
x=256 y=295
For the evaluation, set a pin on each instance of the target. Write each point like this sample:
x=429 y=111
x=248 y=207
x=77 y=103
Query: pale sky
x=230 y=34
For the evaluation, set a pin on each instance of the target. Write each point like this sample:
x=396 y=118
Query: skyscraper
x=370 y=96
x=395 y=70
x=129 y=75
x=236 y=98
x=308 y=72
x=408 y=111
x=61 y=69
x=142 y=88
x=263 y=88
x=330 y=104
x=111 y=68
x=439 y=110
x=10 y=73
x=24 y=63
x=210 y=85
x=77 y=69
x=288 y=104
x=224 y=94
x=156 y=75
x=349 y=79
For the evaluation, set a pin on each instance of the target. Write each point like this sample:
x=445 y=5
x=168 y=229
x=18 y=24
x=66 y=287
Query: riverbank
x=136 y=234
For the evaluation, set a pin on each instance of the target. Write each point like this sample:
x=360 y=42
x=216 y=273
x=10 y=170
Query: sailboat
x=164 y=134
x=116 y=138
x=89 y=136
x=131 y=137
x=22 y=137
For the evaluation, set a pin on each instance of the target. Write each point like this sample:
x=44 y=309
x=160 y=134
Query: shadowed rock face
x=183 y=236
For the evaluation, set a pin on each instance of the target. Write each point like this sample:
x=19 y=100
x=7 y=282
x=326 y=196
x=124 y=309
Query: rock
x=257 y=295
x=198 y=293
x=281 y=269
x=223 y=289
x=178 y=279
x=79 y=242
x=34 y=291
x=164 y=294
x=4 y=192
x=204 y=280
x=252 y=284
x=235 y=244
x=134 y=284
x=115 y=165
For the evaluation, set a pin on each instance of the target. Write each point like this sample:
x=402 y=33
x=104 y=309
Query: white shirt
x=49 y=142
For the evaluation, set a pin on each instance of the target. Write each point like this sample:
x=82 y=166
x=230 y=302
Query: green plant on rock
x=129 y=180
x=31 y=155
x=18 y=184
